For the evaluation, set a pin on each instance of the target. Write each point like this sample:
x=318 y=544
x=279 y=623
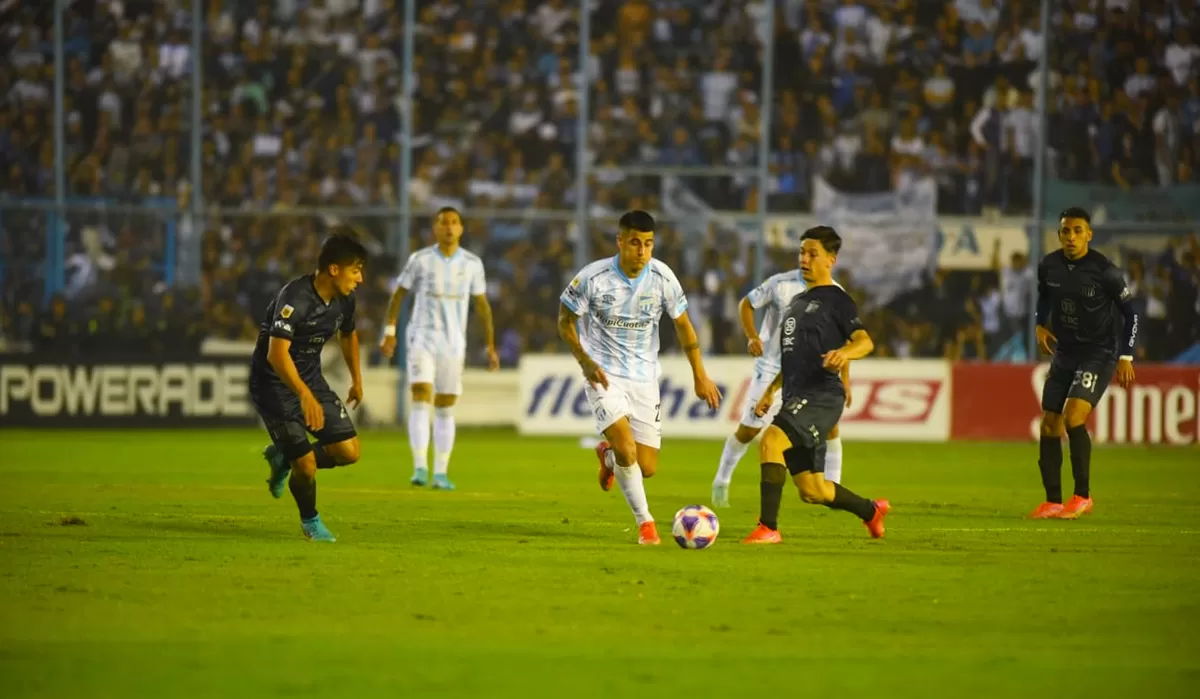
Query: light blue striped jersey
x=774 y=294
x=441 y=288
x=619 y=316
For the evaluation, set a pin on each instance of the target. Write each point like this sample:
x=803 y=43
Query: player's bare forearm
x=746 y=316
x=285 y=368
x=777 y=383
x=859 y=346
x=349 y=342
x=846 y=375
x=393 y=311
x=569 y=333
x=484 y=310
x=689 y=344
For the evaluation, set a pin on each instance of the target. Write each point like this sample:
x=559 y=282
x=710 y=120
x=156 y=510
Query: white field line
x=1066 y=529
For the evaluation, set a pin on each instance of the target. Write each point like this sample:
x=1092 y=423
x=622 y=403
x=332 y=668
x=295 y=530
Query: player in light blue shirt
x=444 y=280
x=772 y=297
x=609 y=317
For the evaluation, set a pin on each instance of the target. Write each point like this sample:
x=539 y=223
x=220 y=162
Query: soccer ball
x=695 y=527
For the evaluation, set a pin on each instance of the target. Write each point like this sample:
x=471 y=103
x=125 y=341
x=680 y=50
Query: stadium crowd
x=302 y=104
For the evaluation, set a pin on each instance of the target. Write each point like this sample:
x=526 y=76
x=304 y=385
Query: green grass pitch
x=186 y=579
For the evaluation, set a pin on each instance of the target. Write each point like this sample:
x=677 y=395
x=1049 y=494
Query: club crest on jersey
x=1089 y=291
x=286 y=311
x=646 y=304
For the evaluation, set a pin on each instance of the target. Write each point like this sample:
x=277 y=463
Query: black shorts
x=806 y=420
x=1076 y=376
x=284 y=419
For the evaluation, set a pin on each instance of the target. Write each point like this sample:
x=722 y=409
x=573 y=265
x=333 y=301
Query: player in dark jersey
x=286 y=383
x=819 y=335
x=1082 y=297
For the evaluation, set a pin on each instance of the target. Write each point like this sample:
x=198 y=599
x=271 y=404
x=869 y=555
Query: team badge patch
x=286 y=312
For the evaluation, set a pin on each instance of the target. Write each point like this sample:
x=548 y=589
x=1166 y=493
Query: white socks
x=443 y=439
x=418 y=434
x=630 y=480
x=730 y=456
x=833 y=460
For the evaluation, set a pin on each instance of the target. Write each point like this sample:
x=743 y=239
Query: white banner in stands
x=893 y=400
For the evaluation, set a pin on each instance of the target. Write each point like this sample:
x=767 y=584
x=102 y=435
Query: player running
x=774 y=294
x=286 y=384
x=1080 y=295
x=609 y=317
x=820 y=333
x=441 y=277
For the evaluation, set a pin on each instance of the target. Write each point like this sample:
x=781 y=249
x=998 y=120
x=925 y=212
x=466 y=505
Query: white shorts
x=636 y=400
x=444 y=372
x=759 y=384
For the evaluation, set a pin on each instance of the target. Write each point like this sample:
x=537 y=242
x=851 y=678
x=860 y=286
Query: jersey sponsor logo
x=789 y=326
x=615 y=322
x=1068 y=306
x=286 y=311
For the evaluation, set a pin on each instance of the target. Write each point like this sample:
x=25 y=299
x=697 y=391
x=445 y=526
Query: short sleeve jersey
x=619 y=316
x=818 y=320
x=299 y=314
x=442 y=288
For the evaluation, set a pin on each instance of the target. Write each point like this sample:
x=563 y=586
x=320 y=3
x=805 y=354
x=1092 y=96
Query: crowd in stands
x=301 y=105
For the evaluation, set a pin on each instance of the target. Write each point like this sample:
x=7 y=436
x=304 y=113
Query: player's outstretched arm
x=281 y=361
x=349 y=343
x=705 y=388
x=387 y=344
x=768 y=396
x=569 y=333
x=483 y=309
x=754 y=343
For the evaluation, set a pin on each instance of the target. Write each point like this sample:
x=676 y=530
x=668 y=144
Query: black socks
x=1050 y=463
x=1081 y=459
x=304 y=489
x=771 y=494
x=844 y=499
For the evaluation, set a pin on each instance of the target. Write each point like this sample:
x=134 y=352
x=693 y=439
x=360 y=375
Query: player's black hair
x=1076 y=212
x=826 y=236
x=341 y=249
x=448 y=210
x=636 y=220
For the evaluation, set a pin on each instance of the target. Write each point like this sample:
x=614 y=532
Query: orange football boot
x=1075 y=508
x=607 y=476
x=875 y=525
x=763 y=534
x=1047 y=510
x=648 y=534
